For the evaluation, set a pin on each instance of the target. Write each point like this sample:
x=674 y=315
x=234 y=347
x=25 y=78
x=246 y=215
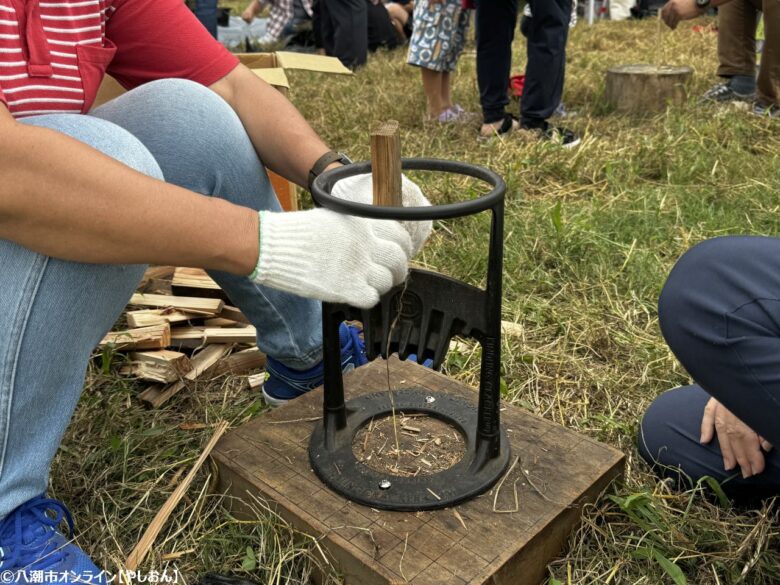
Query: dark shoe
x=562 y=136
x=723 y=93
x=557 y=134
x=284 y=384
x=766 y=110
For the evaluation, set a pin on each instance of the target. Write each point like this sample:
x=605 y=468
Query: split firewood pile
x=182 y=327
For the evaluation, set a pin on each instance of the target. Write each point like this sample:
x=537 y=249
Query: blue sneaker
x=33 y=551
x=284 y=384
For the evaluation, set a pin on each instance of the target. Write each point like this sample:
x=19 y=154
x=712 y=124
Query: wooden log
x=233 y=313
x=646 y=88
x=195 y=282
x=155 y=273
x=386 y=164
x=155 y=337
x=220 y=322
x=246 y=334
x=159 y=366
x=189 y=337
x=201 y=364
x=149 y=317
x=240 y=362
x=208 y=307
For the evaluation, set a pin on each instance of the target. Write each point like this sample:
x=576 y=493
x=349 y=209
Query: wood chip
x=200 y=365
x=136 y=557
x=155 y=337
x=209 y=307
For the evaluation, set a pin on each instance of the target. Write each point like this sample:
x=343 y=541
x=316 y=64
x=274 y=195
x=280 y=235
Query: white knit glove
x=324 y=255
x=360 y=189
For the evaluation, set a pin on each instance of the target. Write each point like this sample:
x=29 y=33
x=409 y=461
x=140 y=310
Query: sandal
x=508 y=124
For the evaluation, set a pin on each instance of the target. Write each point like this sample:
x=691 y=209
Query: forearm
x=284 y=140
x=64 y=199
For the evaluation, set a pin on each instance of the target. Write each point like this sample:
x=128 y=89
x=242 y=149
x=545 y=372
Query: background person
x=343 y=30
x=737 y=23
x=547 y=34
x=286 y=19
x=437 y=41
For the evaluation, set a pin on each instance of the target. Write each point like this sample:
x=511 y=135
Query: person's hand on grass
x=739 y=444
x=676 y=10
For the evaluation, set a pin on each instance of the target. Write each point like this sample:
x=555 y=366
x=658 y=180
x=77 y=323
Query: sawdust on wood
x=426 y=445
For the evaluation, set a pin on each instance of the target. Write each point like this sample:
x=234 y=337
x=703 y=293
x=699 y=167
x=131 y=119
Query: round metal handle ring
x=323 y=185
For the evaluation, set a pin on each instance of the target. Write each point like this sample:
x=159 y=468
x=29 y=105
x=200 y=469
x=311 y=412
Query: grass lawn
x=590 y=236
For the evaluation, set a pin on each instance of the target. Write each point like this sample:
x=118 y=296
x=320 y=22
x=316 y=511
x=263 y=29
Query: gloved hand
x=324 y=255
x=360 y=189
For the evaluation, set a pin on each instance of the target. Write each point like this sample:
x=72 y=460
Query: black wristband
x=324 y=161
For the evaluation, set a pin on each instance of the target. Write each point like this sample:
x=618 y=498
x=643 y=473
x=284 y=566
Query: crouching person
x=720 y=314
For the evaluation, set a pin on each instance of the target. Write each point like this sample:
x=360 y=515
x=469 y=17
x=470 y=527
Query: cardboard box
x=271 y=67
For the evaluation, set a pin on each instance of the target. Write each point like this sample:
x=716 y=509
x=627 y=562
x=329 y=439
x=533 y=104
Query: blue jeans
x=720 y=314
x=54 y=312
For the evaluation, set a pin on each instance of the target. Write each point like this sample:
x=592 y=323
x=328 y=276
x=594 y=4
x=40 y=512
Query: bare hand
x=251 y=11
x=739 y=444
x=676 y=10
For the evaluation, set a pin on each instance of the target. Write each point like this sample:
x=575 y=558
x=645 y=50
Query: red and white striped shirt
x=54 y=53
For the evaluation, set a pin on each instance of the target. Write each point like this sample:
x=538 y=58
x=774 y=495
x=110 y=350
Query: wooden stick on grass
x=147 y=540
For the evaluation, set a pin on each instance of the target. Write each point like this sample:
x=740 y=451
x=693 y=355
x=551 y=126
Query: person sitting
x=720 y=314
x=287 y=18
x=401 y=17
x=172 y=172
x=382 y=33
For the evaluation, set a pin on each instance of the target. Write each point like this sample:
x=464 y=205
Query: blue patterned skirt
x=439 y=34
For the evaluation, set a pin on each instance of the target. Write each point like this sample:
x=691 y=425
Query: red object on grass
x=516 y=85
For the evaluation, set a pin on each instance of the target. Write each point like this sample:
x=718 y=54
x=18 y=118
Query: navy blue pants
x=206 y=12
x=547 y=33
x=344 y=30
x=720 y=314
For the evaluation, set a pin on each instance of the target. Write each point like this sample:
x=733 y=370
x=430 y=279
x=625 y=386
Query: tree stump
x=646 y=88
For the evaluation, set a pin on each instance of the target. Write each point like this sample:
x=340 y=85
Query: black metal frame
x=419 y=317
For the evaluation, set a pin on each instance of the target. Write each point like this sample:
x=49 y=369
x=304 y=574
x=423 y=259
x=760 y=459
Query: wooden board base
x=558 y=472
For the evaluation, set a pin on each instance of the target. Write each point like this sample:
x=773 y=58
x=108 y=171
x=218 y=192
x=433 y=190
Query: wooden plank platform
x=557 y=473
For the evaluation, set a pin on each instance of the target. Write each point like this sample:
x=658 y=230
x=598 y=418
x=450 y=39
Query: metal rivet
x=385 y=484
x=430 y=399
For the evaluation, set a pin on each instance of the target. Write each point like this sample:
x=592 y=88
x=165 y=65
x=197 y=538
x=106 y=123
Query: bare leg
x=398 y=17
x=432 y=87
x=446 y=98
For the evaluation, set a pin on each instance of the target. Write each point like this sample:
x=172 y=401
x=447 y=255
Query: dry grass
x=591 y=235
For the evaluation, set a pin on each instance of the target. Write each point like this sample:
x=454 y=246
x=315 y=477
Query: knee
x=108 y=138
x=171 y=97
x=690 y=293
x=668 y=435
